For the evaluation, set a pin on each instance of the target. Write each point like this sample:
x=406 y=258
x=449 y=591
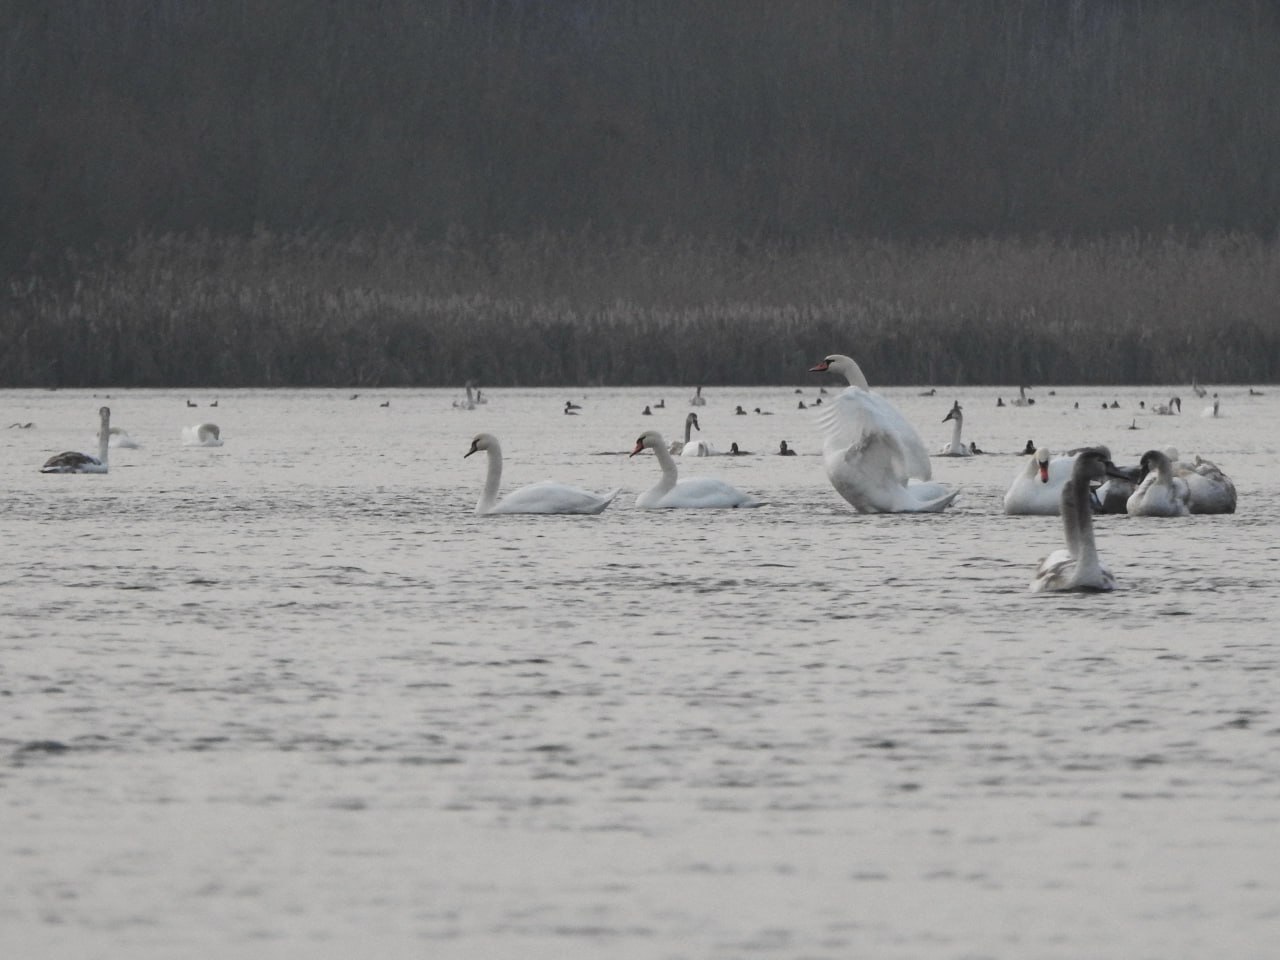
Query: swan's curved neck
x=852 y=372
x=104 y=436
x=489 y=495
x=1077 y=524
x=668 y=464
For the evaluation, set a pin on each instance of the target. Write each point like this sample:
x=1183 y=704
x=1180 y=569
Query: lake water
x=290 y=697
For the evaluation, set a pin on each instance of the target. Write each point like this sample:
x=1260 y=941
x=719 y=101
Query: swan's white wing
x=705 y=492
x=854 y=413
x=697 y=448
x=870 y=474
x=550 y=497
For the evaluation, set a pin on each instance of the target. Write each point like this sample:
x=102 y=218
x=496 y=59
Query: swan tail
x=939 y=504
x=608 y=499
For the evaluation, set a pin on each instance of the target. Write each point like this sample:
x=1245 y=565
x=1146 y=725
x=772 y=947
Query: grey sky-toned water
x=289 y=696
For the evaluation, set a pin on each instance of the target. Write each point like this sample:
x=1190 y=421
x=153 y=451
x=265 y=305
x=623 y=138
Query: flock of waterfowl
x=71 y=461
x=876 y=461
x=873 y=458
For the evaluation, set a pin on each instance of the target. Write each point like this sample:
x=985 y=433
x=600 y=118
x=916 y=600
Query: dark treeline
x=782 y=131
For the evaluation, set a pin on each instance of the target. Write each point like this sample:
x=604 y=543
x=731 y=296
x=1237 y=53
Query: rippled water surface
x=291 y=697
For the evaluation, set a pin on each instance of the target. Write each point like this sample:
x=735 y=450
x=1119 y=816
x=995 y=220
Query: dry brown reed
x=390 y=310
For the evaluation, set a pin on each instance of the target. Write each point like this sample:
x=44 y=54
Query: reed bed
x=584 y=309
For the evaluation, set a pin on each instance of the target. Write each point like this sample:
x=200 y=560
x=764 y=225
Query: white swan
x=1174 y=406
x=698 y=400
x=672 y=492
x=1198 y=390
x=695 y=448
x=956 y=448
x=1209 y=490
x=1037 y=487
x=1023 y=400
x=1160 y=494
x=867 y=462
x=120 y=438
x=1077 y=567
x=676 y=447
x=858 y=412
x=202 y=435
x=544 y=497
x=467 y=404
x=1214 y=409
x=72 y=462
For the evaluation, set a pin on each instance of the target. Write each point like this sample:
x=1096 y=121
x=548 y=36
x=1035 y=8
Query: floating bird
x=120 y=438
x=72 y=462
x=545 y=497
x=1077 y=567
x=1037 y=487
x=784 y=450
x=956 y=447
x=202 y=435
x=1160 y=493
x=858 y=409
x=695 y=448
x=693 y=492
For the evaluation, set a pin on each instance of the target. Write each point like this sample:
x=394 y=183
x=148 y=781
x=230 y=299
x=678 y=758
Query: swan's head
x=1155 y=460
x=692 y=420
x=954 y=413
x=649 y=440
x=1042 y=457
x=1094 y=463
x=104 y=414
x=482 y=441
x=835 y=363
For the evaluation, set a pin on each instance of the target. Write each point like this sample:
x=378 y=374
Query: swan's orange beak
x=473 y=449
x=1044 y=471
x=820 y=367
x=639 y=447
